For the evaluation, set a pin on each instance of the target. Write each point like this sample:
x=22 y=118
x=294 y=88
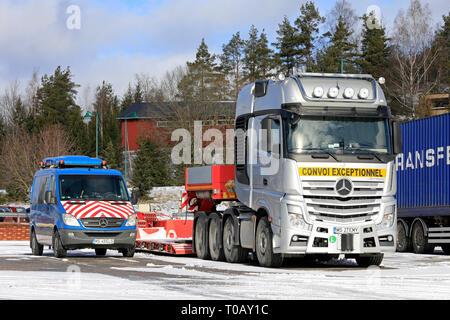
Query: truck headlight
x=70 y=220
x=295 y=216
x=388 y=217
x=131 y=222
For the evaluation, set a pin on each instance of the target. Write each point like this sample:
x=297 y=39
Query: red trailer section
x=205 y=187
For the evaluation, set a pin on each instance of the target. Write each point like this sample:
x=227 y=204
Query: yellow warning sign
x=342 y=172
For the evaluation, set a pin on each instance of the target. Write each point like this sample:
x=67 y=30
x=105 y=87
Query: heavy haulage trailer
x=314 y=174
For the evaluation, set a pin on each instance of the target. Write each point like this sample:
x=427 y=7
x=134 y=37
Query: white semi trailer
x=313 y=175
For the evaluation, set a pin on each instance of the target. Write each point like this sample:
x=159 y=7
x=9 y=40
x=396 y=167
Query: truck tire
x=58 y=248
x=264 y=247
x=419 y=240
x=215 y=238
x=201 y=237
x=366 y=261
x=233 y=253
x=100 y=251
x=446 y=248
x=403 y=241
x=36 y=248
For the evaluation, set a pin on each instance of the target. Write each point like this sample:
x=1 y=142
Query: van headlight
x=131 y=222
x=70 y=220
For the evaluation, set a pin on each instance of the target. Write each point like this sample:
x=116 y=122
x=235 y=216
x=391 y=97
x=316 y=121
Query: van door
x=42 y=220
x=50 y=214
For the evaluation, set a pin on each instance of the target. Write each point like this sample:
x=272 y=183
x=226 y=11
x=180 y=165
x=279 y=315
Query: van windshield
x=92 y=188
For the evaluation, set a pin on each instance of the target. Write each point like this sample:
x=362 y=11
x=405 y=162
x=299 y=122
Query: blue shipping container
x=423 y=169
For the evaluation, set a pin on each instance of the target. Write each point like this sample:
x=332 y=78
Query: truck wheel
x=215 y=239
x=201 y=237
x=264 y=246
x=420 y=240
x=100 y=251
x=126 y=252
x=403 y=241
x=365 y=262
x=233 y=253
x=36 y=248
x=58 y=248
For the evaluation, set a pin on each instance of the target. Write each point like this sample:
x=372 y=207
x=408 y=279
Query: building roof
x=166 y=110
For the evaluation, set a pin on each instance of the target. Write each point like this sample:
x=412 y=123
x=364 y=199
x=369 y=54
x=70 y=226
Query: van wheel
x=264 y=246
x=127 y=252
x=201 y=237
x=365 y=262
x=36 y=248
x=420 y=240
x=100 y=251
x=233 y=253
x=215 y=239
x=58 y=248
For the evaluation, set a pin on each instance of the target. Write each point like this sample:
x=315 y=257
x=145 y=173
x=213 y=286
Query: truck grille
x=324 y=204
x=95 y=223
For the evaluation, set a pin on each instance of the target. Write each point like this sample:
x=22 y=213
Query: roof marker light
x=348 y=93
x=318 y=92
x=333 y=92
x=363 y=93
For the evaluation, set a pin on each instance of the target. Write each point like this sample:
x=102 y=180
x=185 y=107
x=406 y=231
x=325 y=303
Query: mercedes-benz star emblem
x=103 y=222
x=343 y=187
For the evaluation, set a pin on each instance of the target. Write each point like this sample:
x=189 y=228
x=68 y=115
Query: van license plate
x=342 y=230
x=103 y=241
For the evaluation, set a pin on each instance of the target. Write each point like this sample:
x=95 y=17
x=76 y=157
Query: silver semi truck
x=314 y=173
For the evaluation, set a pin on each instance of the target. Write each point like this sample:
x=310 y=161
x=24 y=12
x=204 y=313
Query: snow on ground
x=150 y=276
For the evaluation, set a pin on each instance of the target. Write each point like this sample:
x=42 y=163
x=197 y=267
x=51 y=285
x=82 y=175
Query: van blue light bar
x=72 y=161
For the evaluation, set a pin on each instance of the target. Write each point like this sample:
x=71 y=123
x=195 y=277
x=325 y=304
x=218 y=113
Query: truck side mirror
x=397 y=137
x=134 y=197
x=272 y=130
x=49 y=197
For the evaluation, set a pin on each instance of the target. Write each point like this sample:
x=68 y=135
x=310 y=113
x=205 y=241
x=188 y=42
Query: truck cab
x=76 y=202
x=314 y=172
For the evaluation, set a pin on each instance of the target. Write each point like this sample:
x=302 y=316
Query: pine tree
x=288 y=47
x=150 y=167
x=203 y=81
x=340 y=49
x=308 y=25
x=56 y=98
x=374 y=57
x=231 y=62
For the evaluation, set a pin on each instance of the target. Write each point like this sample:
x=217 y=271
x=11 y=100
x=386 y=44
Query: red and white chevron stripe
x=92 y=209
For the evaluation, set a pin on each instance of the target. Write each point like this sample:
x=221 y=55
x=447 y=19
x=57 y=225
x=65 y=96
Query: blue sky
x=120 y=38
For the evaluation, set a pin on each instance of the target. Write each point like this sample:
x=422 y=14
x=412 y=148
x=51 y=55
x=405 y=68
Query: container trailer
x=423 y=179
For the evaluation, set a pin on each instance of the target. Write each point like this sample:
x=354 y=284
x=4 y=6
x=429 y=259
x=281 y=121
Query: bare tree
x=23 y=151
x=414 y=56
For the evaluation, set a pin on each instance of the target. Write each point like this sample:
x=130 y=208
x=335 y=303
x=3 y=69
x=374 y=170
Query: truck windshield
x=92 y=188
x=314 y=134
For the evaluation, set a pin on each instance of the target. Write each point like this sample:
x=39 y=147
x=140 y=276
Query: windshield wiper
x=323 y=151
x=365 y=150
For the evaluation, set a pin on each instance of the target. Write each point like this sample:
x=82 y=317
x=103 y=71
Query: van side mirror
x=134 y=197
x=49 y=197
x=397 y=137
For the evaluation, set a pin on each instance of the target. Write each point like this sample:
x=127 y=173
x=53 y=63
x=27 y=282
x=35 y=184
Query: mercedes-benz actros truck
x=313 y=174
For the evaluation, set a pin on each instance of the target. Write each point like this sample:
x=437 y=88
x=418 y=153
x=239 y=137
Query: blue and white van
x=76 y=202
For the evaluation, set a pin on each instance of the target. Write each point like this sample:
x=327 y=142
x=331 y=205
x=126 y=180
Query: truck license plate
x=103 y=241
x=342 y=230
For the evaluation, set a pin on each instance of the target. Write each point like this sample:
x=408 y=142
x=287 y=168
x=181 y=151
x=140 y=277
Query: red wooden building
x=158 y=120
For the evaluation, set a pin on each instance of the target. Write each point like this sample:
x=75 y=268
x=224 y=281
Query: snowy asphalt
x=82 y=275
